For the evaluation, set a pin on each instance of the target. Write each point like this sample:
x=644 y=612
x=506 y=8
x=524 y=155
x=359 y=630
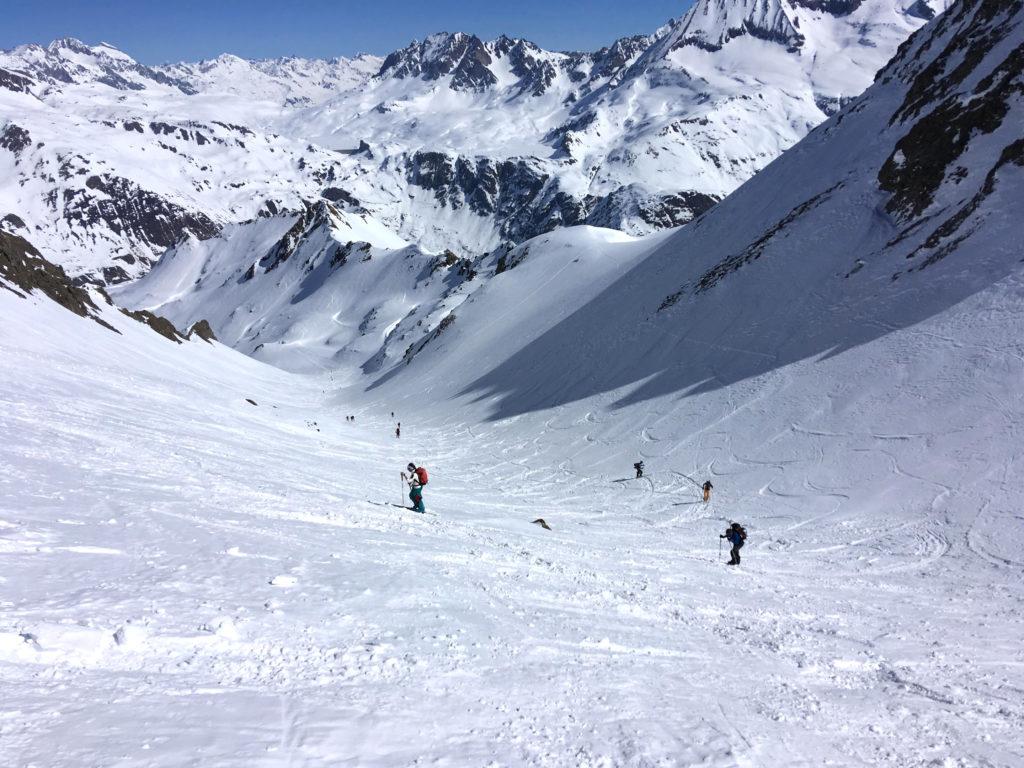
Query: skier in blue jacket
x=735 y=535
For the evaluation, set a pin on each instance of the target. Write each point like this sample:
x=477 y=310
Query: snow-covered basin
x=190 y=579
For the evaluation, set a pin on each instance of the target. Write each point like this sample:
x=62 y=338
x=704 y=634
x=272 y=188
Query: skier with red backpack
x=736 y=535
x=416 y=478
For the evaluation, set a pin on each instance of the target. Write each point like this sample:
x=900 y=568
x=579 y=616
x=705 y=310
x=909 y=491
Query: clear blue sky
x=157 y=31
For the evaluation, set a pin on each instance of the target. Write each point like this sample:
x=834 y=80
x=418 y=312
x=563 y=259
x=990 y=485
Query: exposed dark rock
x=515 y=192
x=368 y=320
x=753 y=251
x=203 y=330
x=250 y=401
x=14 y=138
x=343 y=199
x=11 y=222
x=832 y=7
x=932 y=147
x=535 y=73
x=282 y=250
x=569 y=134
x=610 y=61
x=236 y=128
x=15 y=81
x=414 y=349
x=161 y=325
x=921 y=10
x=464 y=57
x=111 y=276
x=136 y=213
x=659 y=211
x=23 y=270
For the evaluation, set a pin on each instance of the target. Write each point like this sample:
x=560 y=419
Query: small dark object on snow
x=250 y=402
x=707 y=490
x=540 y=521
x=639 y=467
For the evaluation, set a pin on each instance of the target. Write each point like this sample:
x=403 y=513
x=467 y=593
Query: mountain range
x=208 y=523
x=452 y=142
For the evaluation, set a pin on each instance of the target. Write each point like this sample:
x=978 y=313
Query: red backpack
x=421 y=475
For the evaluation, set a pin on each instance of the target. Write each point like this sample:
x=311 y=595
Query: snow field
x=190 y=579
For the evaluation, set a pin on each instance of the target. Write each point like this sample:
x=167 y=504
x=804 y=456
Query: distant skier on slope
x=639 y=467
x=735 y=535
x=707 y=490
x=416 y=478
x=398 y=430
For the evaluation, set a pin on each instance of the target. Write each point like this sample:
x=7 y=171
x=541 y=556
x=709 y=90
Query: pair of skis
x=400 y=506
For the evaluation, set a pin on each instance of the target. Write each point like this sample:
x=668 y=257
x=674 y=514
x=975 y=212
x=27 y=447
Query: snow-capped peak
x=712 y=23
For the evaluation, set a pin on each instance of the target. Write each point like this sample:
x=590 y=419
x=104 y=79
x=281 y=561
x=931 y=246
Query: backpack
x=740 y=530
x=421 y=475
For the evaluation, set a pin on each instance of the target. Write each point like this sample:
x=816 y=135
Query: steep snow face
x=712 y=23
x=453 y=142
x=893 y=211
x=321 y=289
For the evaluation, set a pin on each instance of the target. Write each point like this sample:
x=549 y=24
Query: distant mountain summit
x=453 y=142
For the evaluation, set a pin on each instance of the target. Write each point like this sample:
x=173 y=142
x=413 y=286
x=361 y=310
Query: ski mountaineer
x=639 y=467
x=707 y=490
x=398 y=430
x=735 y=535
x=416 y=478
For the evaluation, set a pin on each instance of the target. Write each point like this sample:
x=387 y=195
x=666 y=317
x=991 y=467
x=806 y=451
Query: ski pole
x=719 y=547
x=401 y=486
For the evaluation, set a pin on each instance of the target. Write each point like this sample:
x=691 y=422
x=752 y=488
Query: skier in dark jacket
x=735 y=535
x=639 y=467
x=707 y=490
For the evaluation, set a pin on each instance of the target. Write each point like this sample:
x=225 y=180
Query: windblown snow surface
x=189 y=578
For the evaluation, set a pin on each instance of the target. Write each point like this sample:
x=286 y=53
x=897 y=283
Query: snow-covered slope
x=324 y=288
x=290 y=81
x=106 y=163
x=846 y=225
x=453 y=142
x=189 y=577
x=334 y=290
